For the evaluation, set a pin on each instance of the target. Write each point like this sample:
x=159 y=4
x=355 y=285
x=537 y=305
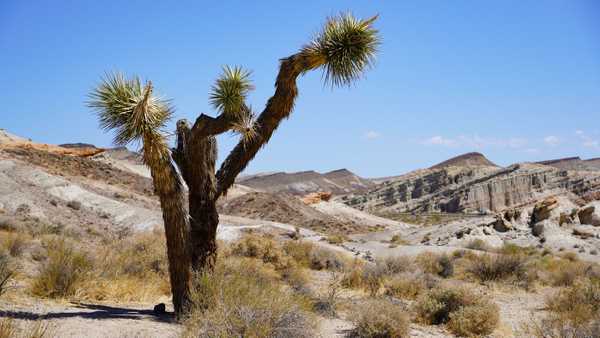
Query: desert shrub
x=300 y=251
x=321 y=258
x=573 y=312
x=336 y=239
x=563 y=272
x=296 y=277
x=488 y=268
x=395 y=264
x=8 y=223
x=475 y=320
x=368 y=277
x=328 y=302
x=409 y=286
x=570 y=256
x=440 y=265
x=15 y=244
x=259 y=247
x=513 y=249
x=577 y=304
x=62 y=271
x=242 y=298
x=380 y=318
x=553 y=327
x=436 y=306
x=477 y=244
x=6 y=273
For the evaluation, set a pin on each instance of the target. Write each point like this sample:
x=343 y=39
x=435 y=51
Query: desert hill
x=339 y=182
x=471 y=160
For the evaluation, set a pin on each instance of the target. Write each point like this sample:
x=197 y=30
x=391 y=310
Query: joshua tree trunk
x=169 y=189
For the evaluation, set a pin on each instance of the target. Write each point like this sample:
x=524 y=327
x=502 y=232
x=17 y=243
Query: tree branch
x=278 y=107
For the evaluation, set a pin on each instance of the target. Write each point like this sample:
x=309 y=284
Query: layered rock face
x=472 y=190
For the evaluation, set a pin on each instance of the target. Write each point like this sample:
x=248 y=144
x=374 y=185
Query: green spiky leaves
x=230 y=90
x=346 y=47
x=128 y=108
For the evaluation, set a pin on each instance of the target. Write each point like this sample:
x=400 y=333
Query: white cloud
x=531 y=150
x=551 y=140
x=440 y=141
x=476 y=142
x=371 y=135
x=587 y=141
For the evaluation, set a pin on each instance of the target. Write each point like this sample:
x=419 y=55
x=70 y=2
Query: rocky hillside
x=339 y=182
x=444 y=188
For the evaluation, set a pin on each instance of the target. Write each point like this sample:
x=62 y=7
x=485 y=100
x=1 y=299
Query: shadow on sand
x=93 y=311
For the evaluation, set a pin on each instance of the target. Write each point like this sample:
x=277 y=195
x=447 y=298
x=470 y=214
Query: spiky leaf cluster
x=230 y=90
x=245 y=126
x=347 y=46
x=128 y=108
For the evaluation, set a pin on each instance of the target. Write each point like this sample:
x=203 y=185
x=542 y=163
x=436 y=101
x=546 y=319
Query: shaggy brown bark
x=169 y=189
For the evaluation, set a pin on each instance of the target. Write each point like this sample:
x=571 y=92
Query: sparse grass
x=574 y=312
x=7 y=328
x=6 y=273
x=132 y=269
x=36 y=329
x=242 y=298
x=459 y=309
x=62 y=271
x=379 y=318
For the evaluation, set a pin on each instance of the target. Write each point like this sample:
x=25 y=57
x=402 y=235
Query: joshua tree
x=344 y=49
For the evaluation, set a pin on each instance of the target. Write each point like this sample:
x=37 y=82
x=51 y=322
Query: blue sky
x=515 y=80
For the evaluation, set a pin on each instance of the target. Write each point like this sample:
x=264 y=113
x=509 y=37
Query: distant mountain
x=573 y=163
x=339 y=182
x=472 y=159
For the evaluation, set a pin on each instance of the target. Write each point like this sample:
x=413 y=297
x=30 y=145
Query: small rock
x=160 y=309
x=502 y=225
x=75 y=205
x=588 y=215
x=542 y=210
x=538 y=229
